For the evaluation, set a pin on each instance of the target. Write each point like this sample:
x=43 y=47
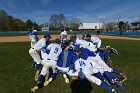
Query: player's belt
x=32 y=48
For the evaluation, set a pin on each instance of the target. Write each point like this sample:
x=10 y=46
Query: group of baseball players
x=77 y=57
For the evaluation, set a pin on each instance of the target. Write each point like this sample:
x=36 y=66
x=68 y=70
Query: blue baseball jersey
x=65 y=58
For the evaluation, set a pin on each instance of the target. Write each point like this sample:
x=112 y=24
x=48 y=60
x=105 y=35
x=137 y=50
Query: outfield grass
x=16 y=76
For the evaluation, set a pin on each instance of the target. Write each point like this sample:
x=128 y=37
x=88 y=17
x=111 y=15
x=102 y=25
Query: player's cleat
x=34 y=88
x=116 y=80
x=124 y=77
x=50 y=79
x=106 y=47
x=114 y=51
x=67 y=80
x=114 y=91
x=46 y=83
x=122 y=80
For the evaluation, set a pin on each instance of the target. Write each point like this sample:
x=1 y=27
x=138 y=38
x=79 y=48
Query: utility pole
x=118 y=22
x=99 y=24
x=106 y=23
x=139 y=19
x=138 y=22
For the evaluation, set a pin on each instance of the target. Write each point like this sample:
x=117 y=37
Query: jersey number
x=89 y=44
x=82 y=63
x=56 y=50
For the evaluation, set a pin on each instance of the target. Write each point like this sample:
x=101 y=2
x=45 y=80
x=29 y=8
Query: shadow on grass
x=78 y=86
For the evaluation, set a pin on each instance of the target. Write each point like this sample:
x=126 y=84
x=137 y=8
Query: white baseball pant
x=47 y=65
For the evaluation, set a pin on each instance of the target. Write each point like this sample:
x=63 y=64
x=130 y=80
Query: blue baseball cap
x=47 y=35
x=57 y=40
x=73 y=36
x=88 y=35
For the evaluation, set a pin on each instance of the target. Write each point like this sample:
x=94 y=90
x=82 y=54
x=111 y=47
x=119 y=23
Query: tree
x=3 y=14
x=3 y=17
x=122 y=26
x=111 y=26
x=57 y=22
x=9 y=23
x=19 y=25
x=29 y=24
x=74 y=23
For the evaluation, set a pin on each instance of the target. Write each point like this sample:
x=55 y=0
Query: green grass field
x=16 y=76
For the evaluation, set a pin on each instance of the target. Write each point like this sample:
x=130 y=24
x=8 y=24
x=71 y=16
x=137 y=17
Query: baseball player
x=83 y=43
x=90 y=46
x=50 y=62
x=65 y=60
x=98 y=63
x=97 y=66
x=63 y=36
x=33 y=37
x=86 y=68
x=95 y=40
x=35 y=52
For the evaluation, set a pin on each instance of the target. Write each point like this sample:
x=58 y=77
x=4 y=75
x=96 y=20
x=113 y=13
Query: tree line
x=59 y=22
x=56 y=22
x=9 y=23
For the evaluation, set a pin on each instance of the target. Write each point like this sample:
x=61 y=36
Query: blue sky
x=87 y=10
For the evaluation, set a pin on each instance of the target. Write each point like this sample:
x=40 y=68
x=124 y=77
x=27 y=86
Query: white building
x=45 y=28
x=91 y=26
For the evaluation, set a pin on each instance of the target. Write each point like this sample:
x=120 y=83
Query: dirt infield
x=26 y=38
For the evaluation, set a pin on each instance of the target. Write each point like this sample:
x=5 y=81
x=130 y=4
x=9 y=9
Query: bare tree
x=57 y=22
x=111 y=26
x=74 y=23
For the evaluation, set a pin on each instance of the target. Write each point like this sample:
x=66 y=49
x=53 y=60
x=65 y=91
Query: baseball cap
x=63 y=33
x=35 y=30
x=88 y=35
x=57 y=40
x=73 y=36
x=47 y=35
